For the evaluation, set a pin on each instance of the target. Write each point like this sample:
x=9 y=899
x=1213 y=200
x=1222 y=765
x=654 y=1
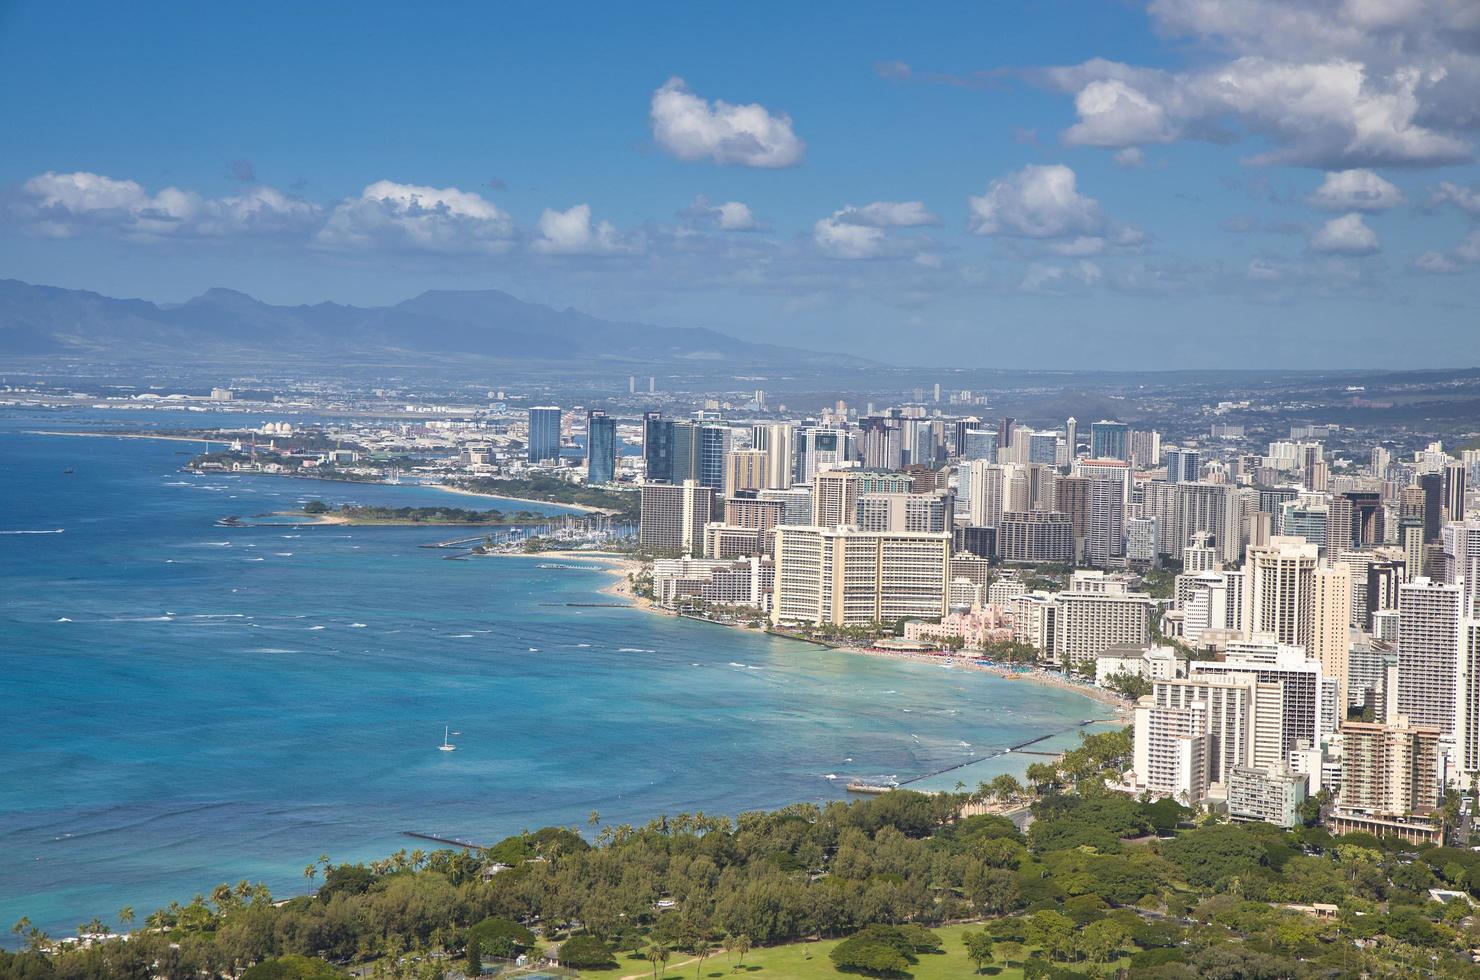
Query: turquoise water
x=184 y=704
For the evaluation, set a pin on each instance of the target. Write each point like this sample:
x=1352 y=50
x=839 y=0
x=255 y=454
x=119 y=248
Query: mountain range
x=222 y=324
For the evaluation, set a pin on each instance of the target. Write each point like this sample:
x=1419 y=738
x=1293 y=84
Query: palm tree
x=741 y=947
x=126 y=916
x=21 y=925
x=701 y=949
x=657 y=955
x=309 y=872
x=594 y=819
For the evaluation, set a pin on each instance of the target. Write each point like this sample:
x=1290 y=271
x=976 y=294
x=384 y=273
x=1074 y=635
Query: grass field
x=808 y=961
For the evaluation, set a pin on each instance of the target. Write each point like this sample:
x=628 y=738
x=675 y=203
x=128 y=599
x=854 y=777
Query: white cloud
x=1355 y=190
x=1044 y=278
x=843 y=240
x=1129 y=157
x=1346 y=235
x=423 y=218
x=860 y=232
x=1113 y=113
x=727 y=216
x=692 y=128
x=1334 y=114
x=1467 y=199
x=572 y=232
x=1039 y=201
x=60 y=205
x=1463 y=257
x=888 y=214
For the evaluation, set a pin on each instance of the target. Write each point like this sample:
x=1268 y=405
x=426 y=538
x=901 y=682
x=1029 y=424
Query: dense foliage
x=623 y=506
x=1098 y=879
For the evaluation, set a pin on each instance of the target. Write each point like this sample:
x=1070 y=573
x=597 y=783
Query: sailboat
x=446 y=746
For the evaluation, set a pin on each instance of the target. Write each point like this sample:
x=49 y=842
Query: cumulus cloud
x=1461 y=258
x=1467 y=199
x=843 y=240
x=61 y=205
x=1355 y=190
x=1346 y=235
x=860 y=231
x=1115 y=113
x=1039 y=201
x=888 y=214
x=1333 y=114
x=1045 y=278
x=727 y=216
x=1335 y=84
x=1042 y=202
x=692 y=128
x=424 y=218
x=572 y=232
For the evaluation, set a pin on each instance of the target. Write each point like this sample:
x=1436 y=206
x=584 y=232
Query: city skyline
x=1001 y=192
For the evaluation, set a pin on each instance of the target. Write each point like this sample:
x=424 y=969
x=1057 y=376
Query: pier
x=1019 y=748
x=455 y=842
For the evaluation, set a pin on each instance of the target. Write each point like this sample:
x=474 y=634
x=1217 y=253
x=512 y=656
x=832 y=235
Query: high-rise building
x=1104 y=540
x=1211 y=509
x=1389 y=780
x=657 y=448
x=1330 y=633
x=1279 y=595
x=1454 y=491
x=818 y=450
x=1071 y=437
x=1183 y=465
x=844 y=576
x=1071 y=498
x=745 y=472
x=1110 y=440
x=673 y=516
x=1309 y=705
x=1145 y=448
x=601 y=448
x=699 y=450
x=919 y=512
x=1467 y=711
x=1035 y=536
x=1428 y=651
x=1432 y=485
x=979 y=444
x=778 y=441
x=1091 y=622
x=544 y=433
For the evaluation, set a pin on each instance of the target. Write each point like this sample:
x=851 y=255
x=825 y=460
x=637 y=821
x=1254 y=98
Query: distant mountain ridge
x=222 y=323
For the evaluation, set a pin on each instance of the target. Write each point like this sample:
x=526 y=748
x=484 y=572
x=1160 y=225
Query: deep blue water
x=182 y=705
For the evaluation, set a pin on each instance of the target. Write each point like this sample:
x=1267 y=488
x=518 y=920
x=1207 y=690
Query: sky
x=1052 y=184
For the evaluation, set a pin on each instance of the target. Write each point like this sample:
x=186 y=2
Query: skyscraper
x=1432 y=485
x=1454 y=491
x=1428 y=651
x=657 y=447
x=601 y=448
x=1109 y=440
x=544 y=433
x=1280 y=590
x=1071 y=436
x=1183 y=465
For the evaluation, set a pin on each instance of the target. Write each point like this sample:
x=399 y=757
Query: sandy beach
x=622 y=566
x=583 y=508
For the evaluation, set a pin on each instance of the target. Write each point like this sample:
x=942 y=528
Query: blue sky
x=1180 y=183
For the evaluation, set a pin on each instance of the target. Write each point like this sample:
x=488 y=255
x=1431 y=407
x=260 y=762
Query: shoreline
x=579 y=508
x=445 y=487
x=620 y=566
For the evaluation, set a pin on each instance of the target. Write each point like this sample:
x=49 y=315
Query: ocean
x=183 y=705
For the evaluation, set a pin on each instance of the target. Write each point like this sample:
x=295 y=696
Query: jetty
x=436 y=839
